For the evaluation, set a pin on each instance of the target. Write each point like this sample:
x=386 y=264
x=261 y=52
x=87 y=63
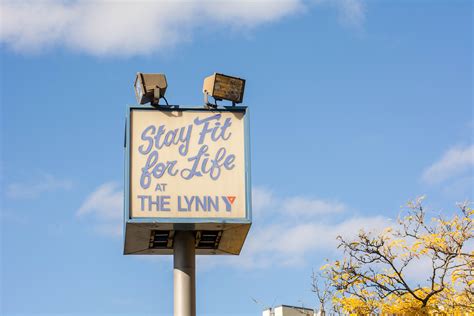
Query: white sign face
x=187 y=164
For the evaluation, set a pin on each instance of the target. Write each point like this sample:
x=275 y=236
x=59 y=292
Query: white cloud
x=279 y=239
x=30 y=190
x=265 y=201
x=124 y=28
x=352 y=12
x=262 y=199
x=105 y=204
x=289 y=244
x=311 y=206
x=455 y=162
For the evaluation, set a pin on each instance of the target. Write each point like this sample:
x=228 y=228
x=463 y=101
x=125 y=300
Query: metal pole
x=184 y=272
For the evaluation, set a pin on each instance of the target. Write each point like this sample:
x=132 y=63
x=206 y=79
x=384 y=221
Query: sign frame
x=136 y=230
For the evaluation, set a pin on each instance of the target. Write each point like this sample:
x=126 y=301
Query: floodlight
x=150 y=88
x=223 y=87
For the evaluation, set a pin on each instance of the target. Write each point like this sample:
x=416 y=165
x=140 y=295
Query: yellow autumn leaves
x=373 y=279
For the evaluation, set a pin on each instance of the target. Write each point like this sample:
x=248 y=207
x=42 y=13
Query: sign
x=187 y=169
x=187 y=164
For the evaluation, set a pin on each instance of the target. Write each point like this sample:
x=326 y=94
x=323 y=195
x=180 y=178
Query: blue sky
x=357 y=107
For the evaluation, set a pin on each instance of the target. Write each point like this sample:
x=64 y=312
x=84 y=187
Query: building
x=286 y=310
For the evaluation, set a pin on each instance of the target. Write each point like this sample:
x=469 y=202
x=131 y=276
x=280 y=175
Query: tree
x=322 y=288
x=372 y=278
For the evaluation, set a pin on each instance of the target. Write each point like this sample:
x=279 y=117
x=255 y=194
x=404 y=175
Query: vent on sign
x=161 y=239
x=208 y=239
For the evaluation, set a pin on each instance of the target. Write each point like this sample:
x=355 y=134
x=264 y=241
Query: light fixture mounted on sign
x=150 y=88
x=223 y=87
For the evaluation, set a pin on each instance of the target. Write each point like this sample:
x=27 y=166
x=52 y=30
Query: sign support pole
x=184 y=273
